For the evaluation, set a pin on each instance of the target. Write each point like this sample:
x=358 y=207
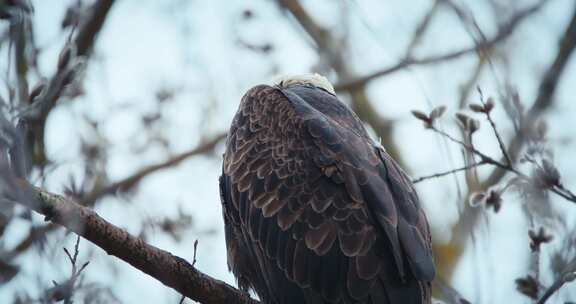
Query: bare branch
x=421 y=28
x=21 y=38
x=129 y=182
x=436 y=175
x=92 y=26
x=35 y=234
x=485 y=158
x=329 y=47
x=64 y=291
x=171 y=270
x=487 y=111
x=563 y=279
x=84 y=42
x=320 y=35
x=122 y=185
x=556 y=188
x=504 y=32
x=466 y=222
x=563 y=192
x=469 y=217
x=544 y=99
x=65 y=74
x=195 y=248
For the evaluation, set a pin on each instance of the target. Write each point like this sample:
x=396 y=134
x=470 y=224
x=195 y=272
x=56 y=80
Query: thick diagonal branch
x=171 y=270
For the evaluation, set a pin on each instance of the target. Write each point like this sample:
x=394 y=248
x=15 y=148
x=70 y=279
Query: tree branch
x=92 y=26
x=464 y=168
x=544 y=99
x=469 y=216
x=66 y=72
x=34 y=235
x=504 y=32
x=320 y=35
x=328 y=46
x=542 y=102
x=132 y=180
x=171 y=270
x=556 y=188
x=122 y=185
x=563 y=279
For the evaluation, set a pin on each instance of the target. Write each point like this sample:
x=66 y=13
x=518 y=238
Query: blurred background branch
x=469 y=217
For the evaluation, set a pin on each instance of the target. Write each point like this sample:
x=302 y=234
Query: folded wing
x=323 y=214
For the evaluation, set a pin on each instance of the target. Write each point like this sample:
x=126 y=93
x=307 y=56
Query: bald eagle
x=315 y=211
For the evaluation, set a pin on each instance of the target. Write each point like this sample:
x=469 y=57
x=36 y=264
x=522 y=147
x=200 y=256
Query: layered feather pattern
x=315 y=212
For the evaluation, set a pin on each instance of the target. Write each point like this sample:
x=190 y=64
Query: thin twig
x=544 y=100
x=65 y=290
x=195 y=249
x=485 y=158
x=494 y=129
x=563 y=279
x=557 y=189
x=422 y=27
x=464 y=227
x=563 y=192
x=182 y=300
x=473 y=165
x=504 y=32
x=132 y=180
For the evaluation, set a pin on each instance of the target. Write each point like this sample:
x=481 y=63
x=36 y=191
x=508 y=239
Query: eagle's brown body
x=315 y=212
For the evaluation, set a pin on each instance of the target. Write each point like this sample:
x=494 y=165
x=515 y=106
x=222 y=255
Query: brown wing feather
x=316 y=213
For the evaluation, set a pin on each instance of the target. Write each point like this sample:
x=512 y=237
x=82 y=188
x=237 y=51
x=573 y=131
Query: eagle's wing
x=314 y=203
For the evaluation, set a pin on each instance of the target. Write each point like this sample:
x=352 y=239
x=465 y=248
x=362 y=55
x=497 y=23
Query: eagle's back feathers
x=314 y=211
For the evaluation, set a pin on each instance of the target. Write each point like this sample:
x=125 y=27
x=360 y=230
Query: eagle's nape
x=314 y=211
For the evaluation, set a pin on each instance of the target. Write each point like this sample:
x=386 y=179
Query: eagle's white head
x=315 y=79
